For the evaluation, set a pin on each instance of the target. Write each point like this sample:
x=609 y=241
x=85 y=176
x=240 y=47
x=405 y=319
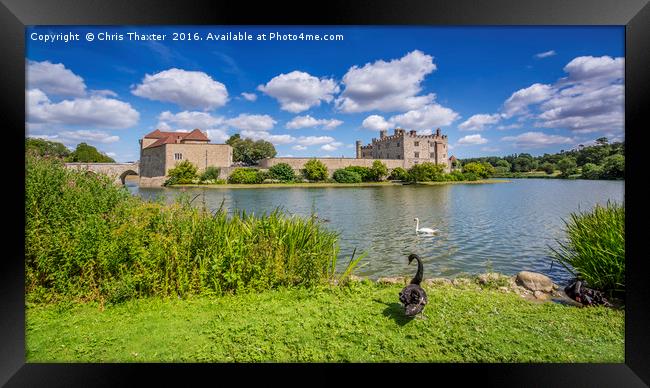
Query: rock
x=488 y=277
x=393 y=280
x=534 y=281
x=460 y=282
x=540 y=295
x=503 y=289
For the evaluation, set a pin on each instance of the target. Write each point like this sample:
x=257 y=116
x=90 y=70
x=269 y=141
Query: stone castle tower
x=407 y=146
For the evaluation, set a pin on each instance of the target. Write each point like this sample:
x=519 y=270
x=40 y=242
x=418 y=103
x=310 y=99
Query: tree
x=614 y=167
x=245 y=175
x=427 y=172
x=346 y=176
x=482 y=170
x=591 y=171
x=547 y=167
x=567 y=166
x=85 y=153
x=43 y=147
x=378 y=171
x=249 y=151
x=315 y=170
x=399 y=174
x=210 y=173
x=503 y=163
x=523 y=163
x=282 y=172
x=183 y=173
x=601 y=141
x=364 y=172
x=593 y=154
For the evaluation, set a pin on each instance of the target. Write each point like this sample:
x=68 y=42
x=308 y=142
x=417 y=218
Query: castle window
x=398 y=144
x=178 y=156
x=417 y=154
x=416 y=144
x=433 y=155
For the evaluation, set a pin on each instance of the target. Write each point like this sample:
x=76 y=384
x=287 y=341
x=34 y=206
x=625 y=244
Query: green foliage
x=483 y=170
x=88 y=239
x=547 y=167
x=595 y=247
x=399 y=174
x=246 y=175
x=282 y=172
x=426 y=172
x=210 y=174
x=346 y=176
x=85 y=153
x=249 y=151
x=364 y=172
x=591 y=171
x=315 y=170
x=502 y=163
x=593 y=154
x=43 y=147
x=523 y=163
x=614 y=167
x=183 y=173
x=378 y=171
x=567 y=166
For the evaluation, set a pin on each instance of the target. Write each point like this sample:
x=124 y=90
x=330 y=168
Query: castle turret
x=358 y=144
x=382 y=133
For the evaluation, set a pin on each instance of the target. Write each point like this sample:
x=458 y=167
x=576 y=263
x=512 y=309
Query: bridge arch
x=125 y=174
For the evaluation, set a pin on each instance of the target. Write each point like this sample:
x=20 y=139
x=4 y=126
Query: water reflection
x=503 y=227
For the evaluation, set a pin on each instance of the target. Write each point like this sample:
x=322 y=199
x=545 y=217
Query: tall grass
x=87 y=239
x=595 y=247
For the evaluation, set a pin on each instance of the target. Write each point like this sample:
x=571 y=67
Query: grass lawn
x=359 y=323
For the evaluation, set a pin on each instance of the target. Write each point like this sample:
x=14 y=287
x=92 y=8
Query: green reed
x=595 y=247
x=87 y=239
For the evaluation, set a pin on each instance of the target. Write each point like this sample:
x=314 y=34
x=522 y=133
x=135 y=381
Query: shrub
x=183 y=173
x=426 y=172
x=245 y=175
x=614 y=167
x=548 y=168
x=567 y=166
x=399 y=174
x=591 y=171
x=210 y=173
x=483 y=170
x=346 y=176
x=282 y=172
x=595 y=247
x=315 y=170
x=470 y=176
x=378 y=171
x=364 y=172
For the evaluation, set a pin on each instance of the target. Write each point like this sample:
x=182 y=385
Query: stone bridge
x=118 y=171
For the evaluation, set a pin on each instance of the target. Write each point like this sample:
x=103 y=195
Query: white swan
x=423 y=230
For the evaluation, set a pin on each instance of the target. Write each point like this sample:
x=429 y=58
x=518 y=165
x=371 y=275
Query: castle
x=407 y=146
x=161 y=151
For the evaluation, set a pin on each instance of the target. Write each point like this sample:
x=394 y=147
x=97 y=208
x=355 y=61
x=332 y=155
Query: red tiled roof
x=174 y=137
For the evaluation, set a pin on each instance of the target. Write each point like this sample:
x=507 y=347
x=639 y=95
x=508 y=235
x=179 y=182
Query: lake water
x=503 y=227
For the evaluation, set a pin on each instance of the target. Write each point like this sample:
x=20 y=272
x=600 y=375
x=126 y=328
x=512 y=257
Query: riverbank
x=359 y=322
x=330 y=184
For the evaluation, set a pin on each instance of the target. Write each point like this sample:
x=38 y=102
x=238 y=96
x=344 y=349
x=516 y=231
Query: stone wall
x=201 y=155
x=152 y=162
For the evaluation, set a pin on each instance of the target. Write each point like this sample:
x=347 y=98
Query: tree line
x=603 y=160
x=83 y=153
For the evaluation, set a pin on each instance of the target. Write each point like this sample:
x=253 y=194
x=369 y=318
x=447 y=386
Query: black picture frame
x=633 y=14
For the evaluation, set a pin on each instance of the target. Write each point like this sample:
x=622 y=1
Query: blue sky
x=492 y=90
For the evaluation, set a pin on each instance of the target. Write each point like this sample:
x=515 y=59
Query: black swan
x=413 y=297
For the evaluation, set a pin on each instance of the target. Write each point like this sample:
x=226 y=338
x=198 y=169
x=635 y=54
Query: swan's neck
x=418 y=276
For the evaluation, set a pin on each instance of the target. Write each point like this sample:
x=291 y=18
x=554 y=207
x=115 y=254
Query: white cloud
x=299 y=91
x=387 y=86
x=479 y=121
x=519 y=100
x=217 y=135
x=489 y=149
x=299 y=148
x=472 y=140
x=308 y=121
x=249 y=96
x=95 y=111
x=425 y=118
x=54 y=79
x=188 y=89
x=263 y=135
x=545 y=54
x=187 y=120
x=111 y=154
x=249 y=122
x=331 y=146
x=75 y=137
x=314 y=140
x=376 y=123
x=537 y=140
x=509 y=126
x=588 y=68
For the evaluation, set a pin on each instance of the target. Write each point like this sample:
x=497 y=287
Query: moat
x=504 y=227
